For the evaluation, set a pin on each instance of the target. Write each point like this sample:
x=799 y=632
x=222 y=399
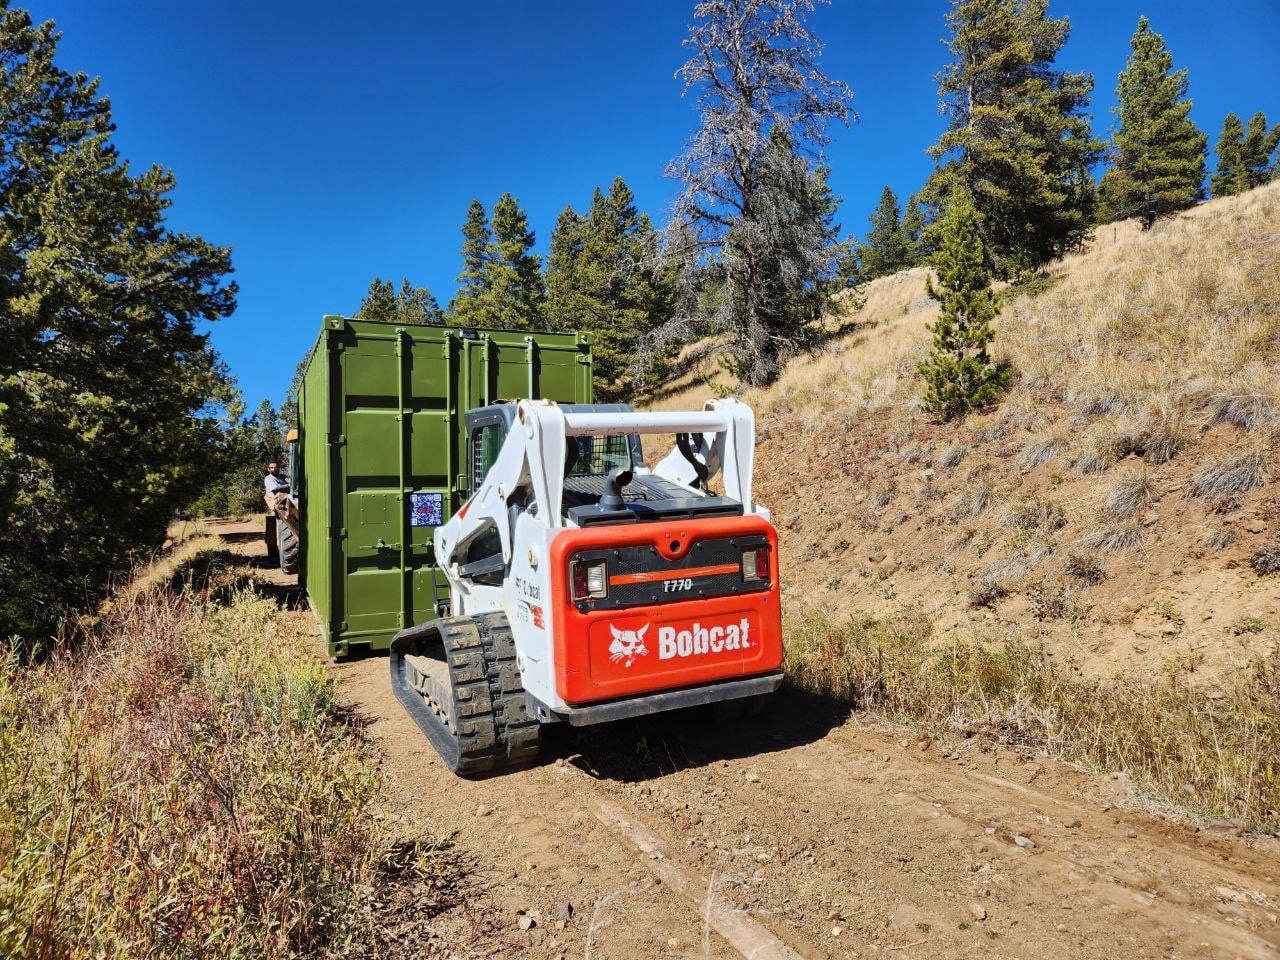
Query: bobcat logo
x=627 y=645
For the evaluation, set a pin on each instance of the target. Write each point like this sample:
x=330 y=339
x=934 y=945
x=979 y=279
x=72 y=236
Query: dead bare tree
x=752 y=230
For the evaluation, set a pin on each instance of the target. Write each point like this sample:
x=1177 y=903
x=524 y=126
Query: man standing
x=276 y=489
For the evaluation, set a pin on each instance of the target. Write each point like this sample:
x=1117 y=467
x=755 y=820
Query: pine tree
x=1256 y=149
x=474 y=280
x=752 y=228
x=501 y=284
x=613 y=318
x=604 y=278
x=887 y=249
x=1230 y=177
x=267 y=430
x=379 y=302
x=565 y=307
x=641 y=297
x=111 y=398
x=1159 y=154
x=418 y=305
x=1018 y=146
x=410 y=306
x=913 y=227
x=959 y=374
x=514 y=297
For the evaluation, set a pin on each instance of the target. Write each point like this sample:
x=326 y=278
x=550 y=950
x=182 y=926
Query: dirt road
x=805 y=832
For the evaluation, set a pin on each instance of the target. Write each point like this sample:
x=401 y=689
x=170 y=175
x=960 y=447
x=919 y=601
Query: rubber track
x=495 y=733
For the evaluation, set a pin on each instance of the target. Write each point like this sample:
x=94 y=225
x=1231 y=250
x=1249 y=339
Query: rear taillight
x=589 y=580
x=755 y=564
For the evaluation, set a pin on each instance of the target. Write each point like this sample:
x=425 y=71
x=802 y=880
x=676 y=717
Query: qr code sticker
x=426 y=509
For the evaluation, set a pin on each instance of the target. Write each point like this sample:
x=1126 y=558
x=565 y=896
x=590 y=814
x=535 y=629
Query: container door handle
x=380 y=545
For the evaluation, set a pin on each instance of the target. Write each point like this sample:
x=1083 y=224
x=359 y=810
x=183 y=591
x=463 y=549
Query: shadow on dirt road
x=220 y=573
x=631 y=751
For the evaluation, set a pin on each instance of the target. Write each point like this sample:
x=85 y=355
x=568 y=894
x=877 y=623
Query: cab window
x=486 y=442
x=596 y=456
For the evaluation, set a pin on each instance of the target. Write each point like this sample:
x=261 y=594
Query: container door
x=371 y=494
x=432 y=463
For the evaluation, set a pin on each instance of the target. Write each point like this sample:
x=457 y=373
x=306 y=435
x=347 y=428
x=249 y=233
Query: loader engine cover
x=676 y=604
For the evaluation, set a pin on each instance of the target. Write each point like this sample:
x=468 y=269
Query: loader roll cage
x=487 y=428
x=601 y=444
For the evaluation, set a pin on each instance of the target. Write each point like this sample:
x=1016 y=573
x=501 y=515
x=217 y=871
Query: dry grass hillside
x=1119 y=509
x=179 y=779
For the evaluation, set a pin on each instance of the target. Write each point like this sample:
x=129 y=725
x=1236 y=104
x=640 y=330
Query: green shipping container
x=380 y=459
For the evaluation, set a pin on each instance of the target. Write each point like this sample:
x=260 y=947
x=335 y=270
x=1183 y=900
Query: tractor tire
x=289 y=548
x=458 y=679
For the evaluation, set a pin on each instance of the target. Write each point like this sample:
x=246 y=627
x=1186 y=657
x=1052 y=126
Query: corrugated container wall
x=382 y=442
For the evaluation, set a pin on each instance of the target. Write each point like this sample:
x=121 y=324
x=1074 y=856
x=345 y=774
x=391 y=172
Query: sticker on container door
x=426 y=509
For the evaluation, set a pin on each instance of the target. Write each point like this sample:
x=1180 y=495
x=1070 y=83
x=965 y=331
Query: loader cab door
x=486 y=431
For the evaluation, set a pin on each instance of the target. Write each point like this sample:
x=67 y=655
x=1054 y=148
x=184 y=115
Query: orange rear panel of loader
x=604 y=654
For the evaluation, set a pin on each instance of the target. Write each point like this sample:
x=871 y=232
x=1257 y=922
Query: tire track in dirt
x=896 y=846
x=842 y=841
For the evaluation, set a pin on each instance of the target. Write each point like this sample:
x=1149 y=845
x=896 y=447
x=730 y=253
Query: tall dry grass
x=868 y=370
x=1180 y=321
x=182 y=784
x=1212 y=752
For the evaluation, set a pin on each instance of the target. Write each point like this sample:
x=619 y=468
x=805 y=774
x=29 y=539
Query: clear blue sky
x=328 y=142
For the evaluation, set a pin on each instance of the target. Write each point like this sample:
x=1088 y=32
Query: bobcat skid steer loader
x=585 y=587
